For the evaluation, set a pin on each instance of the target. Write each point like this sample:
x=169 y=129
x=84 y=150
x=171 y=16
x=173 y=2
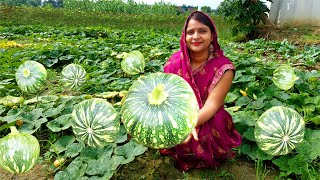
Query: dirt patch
x=299 y=35
x=39 y=172
x=151 y=165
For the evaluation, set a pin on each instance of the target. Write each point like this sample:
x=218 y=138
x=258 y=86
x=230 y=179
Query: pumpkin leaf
x=122 y=135
x=243 y=101
x=72 y=150
x=103 y=164
x=61 y=144
x=245 y=117
x=93 y=153
x=60 y=123
x=76 y=168
x=99 y=167
x=310 y=146
x=258 y=104
x=249 y=134
x=31 y=116
x=43 y=99
x=33 y=126
x=2 y=109
x=231 y=97
x=131 y=149
x=63 y=175
x=54 y=111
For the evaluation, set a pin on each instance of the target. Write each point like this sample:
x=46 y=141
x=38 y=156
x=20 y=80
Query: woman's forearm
x=207 y=112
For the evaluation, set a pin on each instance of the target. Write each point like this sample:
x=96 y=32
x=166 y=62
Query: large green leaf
x=60 y=123
x=130 y=149
x=61 y=144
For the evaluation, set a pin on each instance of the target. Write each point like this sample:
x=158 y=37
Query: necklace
x=196 y=67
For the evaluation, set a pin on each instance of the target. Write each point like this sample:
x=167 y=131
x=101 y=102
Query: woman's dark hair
x=199 y=16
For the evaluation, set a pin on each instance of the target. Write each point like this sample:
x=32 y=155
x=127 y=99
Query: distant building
x=295 y=12
x=184 y=9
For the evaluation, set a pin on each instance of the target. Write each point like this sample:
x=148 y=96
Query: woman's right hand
x=193 y=134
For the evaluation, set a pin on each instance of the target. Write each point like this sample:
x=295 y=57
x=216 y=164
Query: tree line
x=33 y=3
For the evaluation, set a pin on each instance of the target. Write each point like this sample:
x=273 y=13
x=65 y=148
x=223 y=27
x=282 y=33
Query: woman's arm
x=214 y=101
x=216 y=98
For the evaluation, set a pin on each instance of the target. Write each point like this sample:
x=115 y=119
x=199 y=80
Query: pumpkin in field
x=73 y=76
x=31 y=76
x=19 y=151
x=95 y=122
x=278 y=130
x=284 y=77
x=133 y=62
x=160 y=110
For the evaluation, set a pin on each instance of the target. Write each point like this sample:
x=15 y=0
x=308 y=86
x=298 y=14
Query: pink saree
x=218 y=135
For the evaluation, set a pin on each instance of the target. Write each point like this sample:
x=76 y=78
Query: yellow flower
x=244 y=93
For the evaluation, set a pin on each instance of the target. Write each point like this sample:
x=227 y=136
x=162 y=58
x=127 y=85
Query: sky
x=212 y=3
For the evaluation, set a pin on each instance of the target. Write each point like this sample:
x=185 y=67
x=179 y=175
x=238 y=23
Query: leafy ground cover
x=100 y=49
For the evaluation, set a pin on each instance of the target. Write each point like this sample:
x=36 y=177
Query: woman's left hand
x=193 y=134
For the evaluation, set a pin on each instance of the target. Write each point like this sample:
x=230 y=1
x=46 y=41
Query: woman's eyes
x=201 y=31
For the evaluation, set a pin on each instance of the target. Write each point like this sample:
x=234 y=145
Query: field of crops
x=98 y=43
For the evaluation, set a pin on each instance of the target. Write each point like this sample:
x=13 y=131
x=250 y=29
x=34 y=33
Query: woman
x=202 y=64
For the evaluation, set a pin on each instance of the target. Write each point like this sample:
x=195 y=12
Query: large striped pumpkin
x=73 y=76
x=133 y=62
x=95 y=122
x=278 y=130
x=160 y=110
x=19 y=151
x=31 y=76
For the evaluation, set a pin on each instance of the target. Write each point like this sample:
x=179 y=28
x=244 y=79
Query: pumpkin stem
x=13 y=129
x=158 y=95
x=26 y=72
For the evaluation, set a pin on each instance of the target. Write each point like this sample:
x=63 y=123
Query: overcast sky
x=212 y=3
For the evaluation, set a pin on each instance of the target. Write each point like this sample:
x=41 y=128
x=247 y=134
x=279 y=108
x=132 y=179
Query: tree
x=247 y=14
x=52 y=3
x=206 y=9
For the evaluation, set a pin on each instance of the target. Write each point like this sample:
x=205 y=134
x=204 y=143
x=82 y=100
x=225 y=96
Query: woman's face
x=198 y=36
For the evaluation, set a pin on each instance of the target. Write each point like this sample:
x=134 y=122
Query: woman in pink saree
x=201 y=62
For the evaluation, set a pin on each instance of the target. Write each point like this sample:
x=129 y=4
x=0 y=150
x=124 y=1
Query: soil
x=151 y=165
x=299 y=35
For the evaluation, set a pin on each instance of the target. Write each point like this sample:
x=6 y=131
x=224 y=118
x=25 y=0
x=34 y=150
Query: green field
x=98 y=41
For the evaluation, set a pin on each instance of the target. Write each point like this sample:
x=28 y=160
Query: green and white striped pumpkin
x=278 y=130
x=31 y=76
x=284 y=77
x=95 y=122
x=160 y=110
x=73 y=76
x=133 y=62
x=19 y=151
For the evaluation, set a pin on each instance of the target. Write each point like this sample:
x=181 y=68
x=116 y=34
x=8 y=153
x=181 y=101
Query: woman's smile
x=196 y=43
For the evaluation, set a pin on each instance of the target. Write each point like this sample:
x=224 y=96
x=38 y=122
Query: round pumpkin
x=95 y=122
x=19 y=151
x=73 y=76
x=160 y=110
x=133 y=62
x=31 y=76
x=278 y=130
x=284 y=77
